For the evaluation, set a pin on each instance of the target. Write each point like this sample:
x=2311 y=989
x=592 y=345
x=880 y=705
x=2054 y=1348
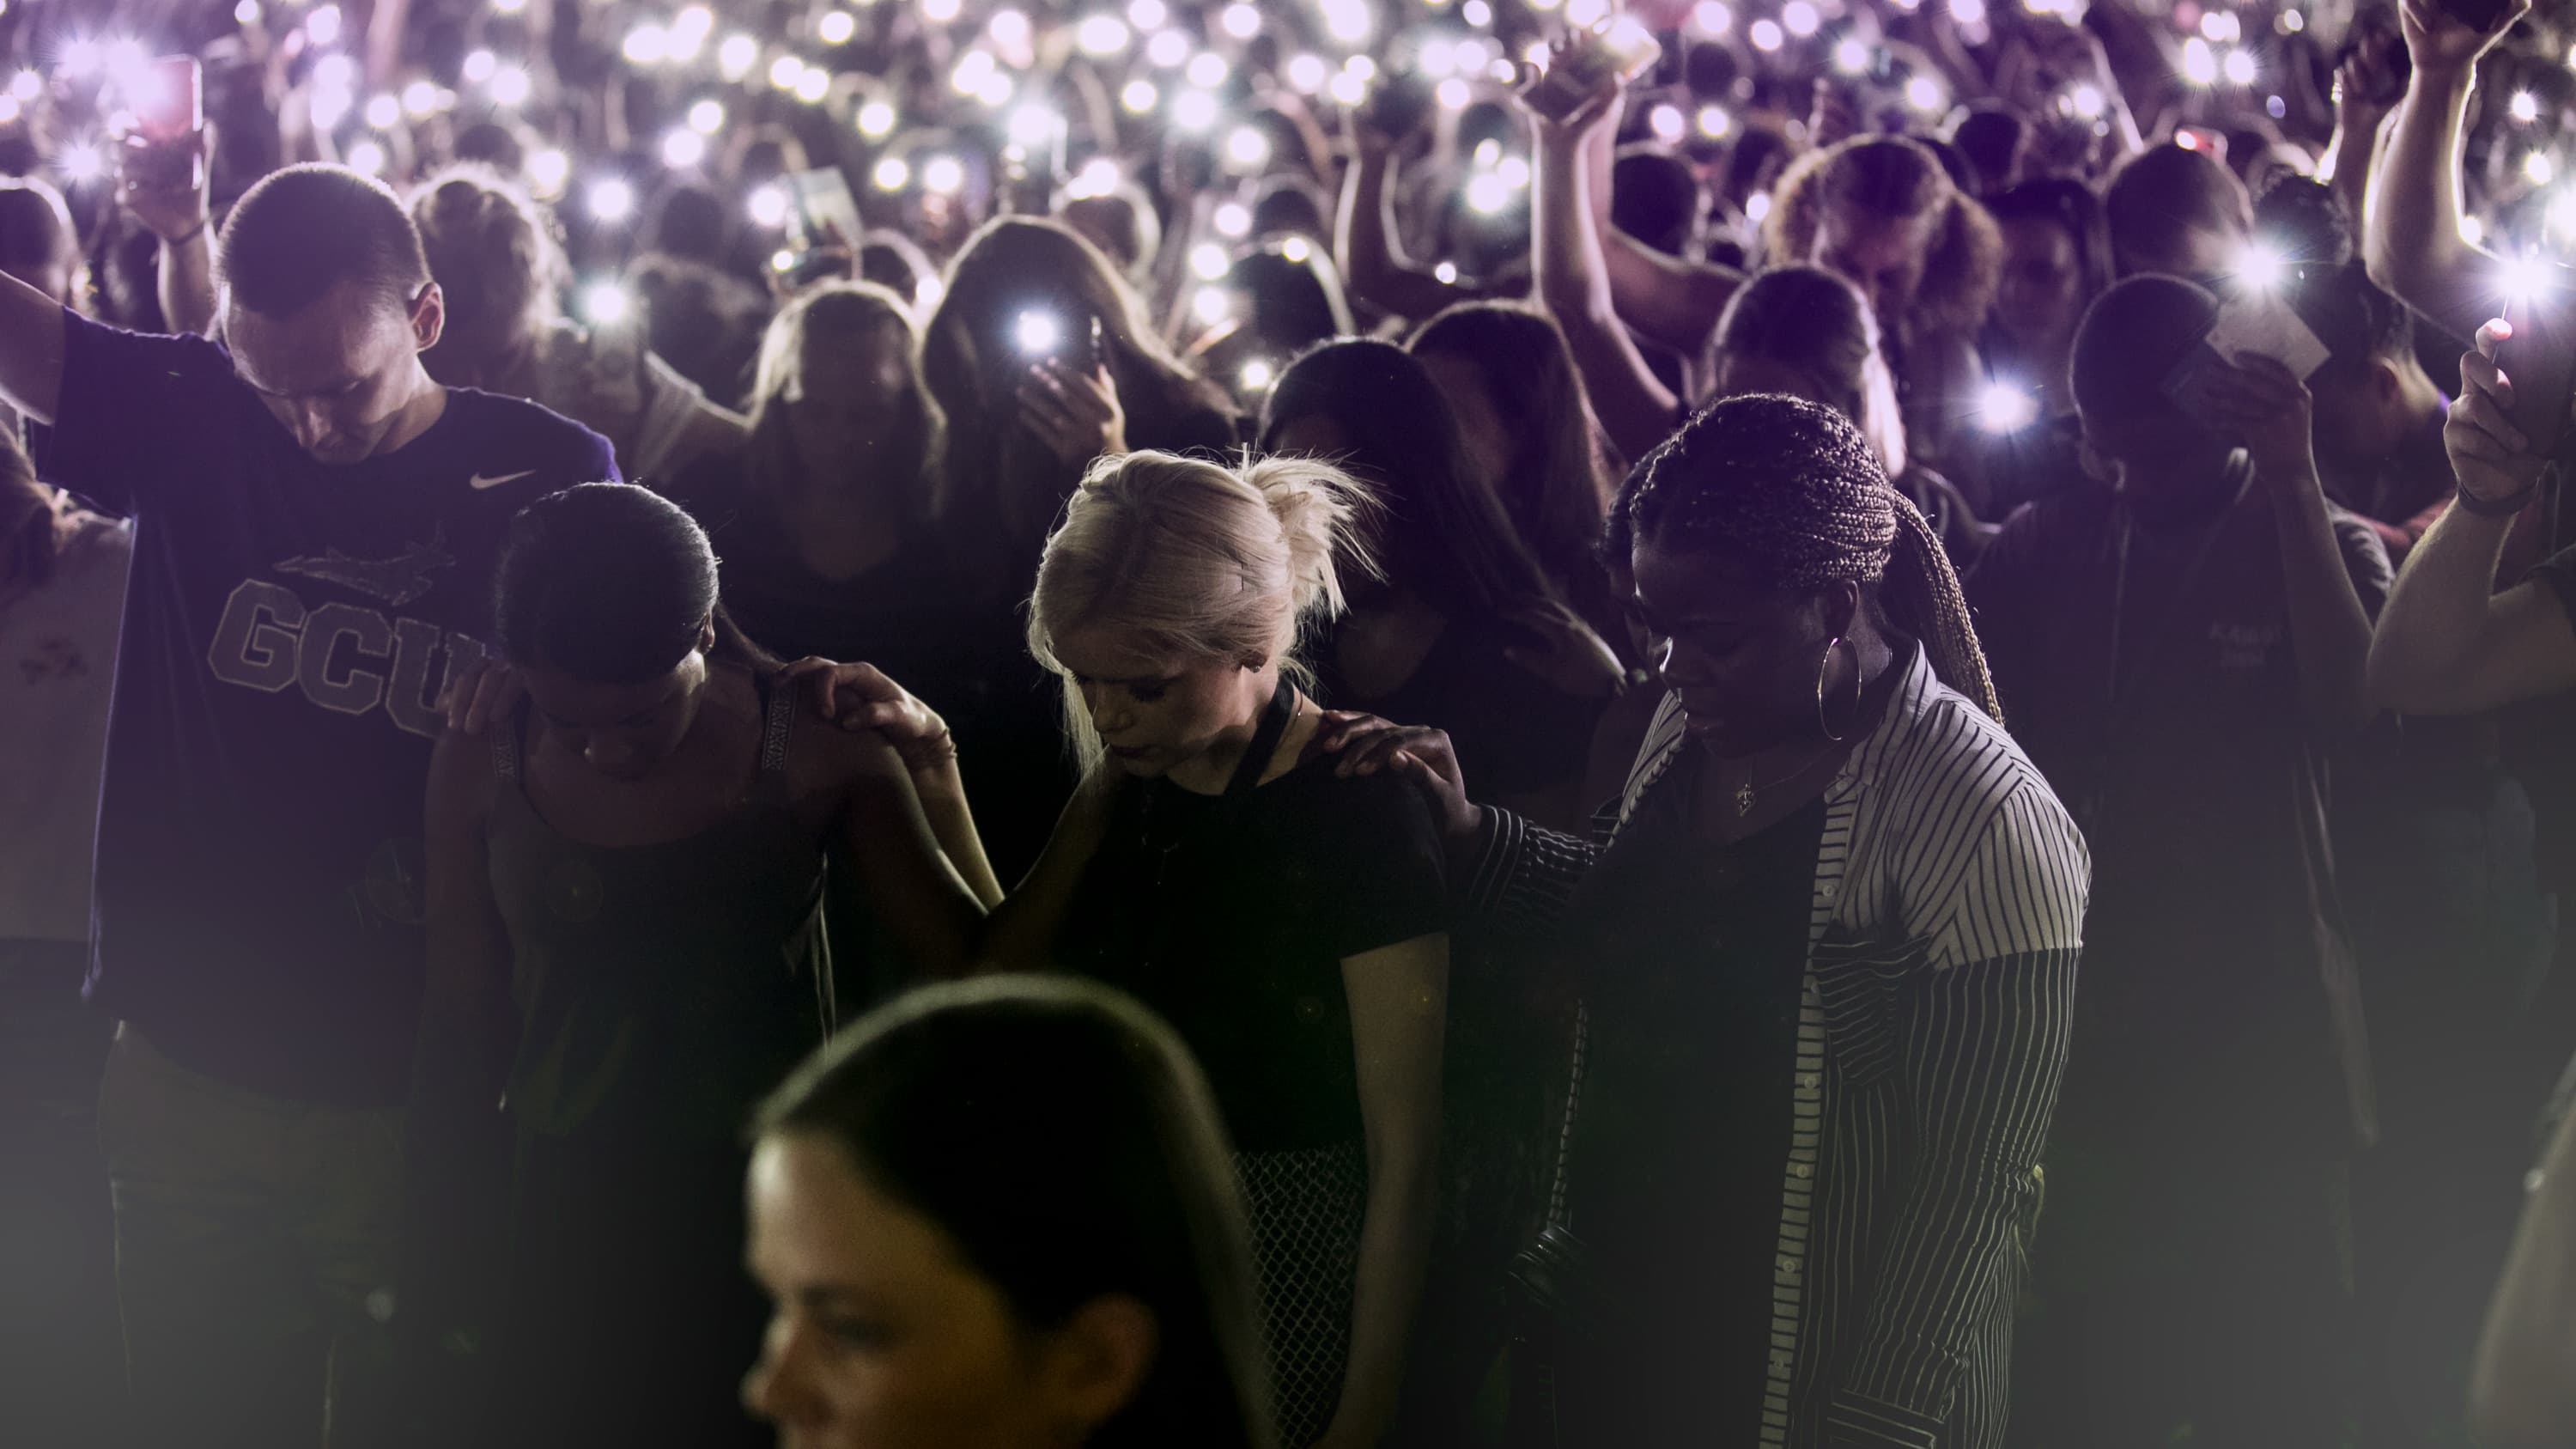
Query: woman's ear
x=1096 y=1364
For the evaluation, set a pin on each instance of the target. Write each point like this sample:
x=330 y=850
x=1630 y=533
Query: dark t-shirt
x=2161 y=699
x=1513 y=733
x=1232 y=914
x=287 y=627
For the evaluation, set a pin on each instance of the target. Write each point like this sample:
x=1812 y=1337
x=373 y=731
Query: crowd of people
x=1517 y=724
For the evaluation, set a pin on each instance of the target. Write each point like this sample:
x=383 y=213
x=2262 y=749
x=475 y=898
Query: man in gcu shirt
x=315 y=524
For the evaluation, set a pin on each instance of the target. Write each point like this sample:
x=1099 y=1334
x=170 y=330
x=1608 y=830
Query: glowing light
x=1148 y=14
x=683 y=148
x=2005 y=409
x=420 y=98
x=2539 y=168
x=2199 y=62
x=1296 y=249
x=2291 y=22
x=1924 y=93
x=2525 y=278
x=1194 y=110
x=548 y=172
x=1476 y=13
x=1970 y=13
x=510 y=86
x=1801 y=18
x=366 y=158
x=736 y=57
x=605 y=304
x=26 y=85
x=647 y=45
x=1139 y=97
x=1665 y=122
x=1038 y=333
x=82 y=58
x=768 y=207
x=1714 y=122
x=1515 y=173
x=246 y=13
x=1256 y=375
x=1347 y=21
x=1445 y=273
x=2221 y=27
x=1360 y=66
x=836 y=27
x=2562 y=213
x=1168 y=50
x=2262 y=267
x=876 y=120
x=384 y=112
x=2238 y=67
x=1208 y=261
x=689 y=32
x=892 y=174
x=1488 y=151
x=1437 y=58
x=81 y=161
x=1307 y=74
x=508 y=7
x=1247 y=148
x=2472 y=230
x=1348 y=89
x=335 y=73
x=9 y=109
x=939 y=12
x=997 y=89
x=813 y=85
x=1757 y=208
x=706 y=117
x=2086 y=100
x=943 y=176
x=1099 y=177
x=1851 y=56
x=1101 y=35
x=1009 y=29
x=1240 y=21
x=611 y=199
x=330 y=106
x=1712 y=18
x=1453 y=94
x=1586 y=12
x=782 y=260
x=1211 y=305
x=1206 y=70
x=973 y=69
x=322 y=26
x=1033 y=126
x=1765 y=35
x=2525 y=107
x=1488 y=194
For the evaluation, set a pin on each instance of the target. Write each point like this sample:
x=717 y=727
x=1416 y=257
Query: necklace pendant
x=1744 y=799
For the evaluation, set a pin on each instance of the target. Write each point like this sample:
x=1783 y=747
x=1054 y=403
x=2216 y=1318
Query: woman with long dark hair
x=1462 y=626
x=1041 y=357
x=1001 y=1213
x=625 y=884
x=1827 y=956
x=2057 y=259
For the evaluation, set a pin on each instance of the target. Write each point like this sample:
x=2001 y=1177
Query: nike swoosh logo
x=479 y=481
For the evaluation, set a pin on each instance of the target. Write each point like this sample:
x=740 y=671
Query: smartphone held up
x=164 y=105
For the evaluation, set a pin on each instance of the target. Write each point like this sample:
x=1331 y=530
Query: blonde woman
x=1288 y=922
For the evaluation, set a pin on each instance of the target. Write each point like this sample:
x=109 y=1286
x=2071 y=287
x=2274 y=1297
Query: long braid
x=1796 y=490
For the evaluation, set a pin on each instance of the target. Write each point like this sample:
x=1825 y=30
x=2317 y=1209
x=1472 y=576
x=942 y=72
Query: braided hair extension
x=1794 y=490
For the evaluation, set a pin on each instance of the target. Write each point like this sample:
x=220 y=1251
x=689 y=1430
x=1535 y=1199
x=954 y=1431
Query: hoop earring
x=1825 y=666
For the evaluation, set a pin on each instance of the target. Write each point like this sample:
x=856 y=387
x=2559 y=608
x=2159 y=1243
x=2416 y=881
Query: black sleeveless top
x=663 y=988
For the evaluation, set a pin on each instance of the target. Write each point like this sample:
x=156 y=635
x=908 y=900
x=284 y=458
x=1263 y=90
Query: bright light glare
x=1453 y=94
x=2222 y=26
x=246 y=13
x=1476 y=13
x=1765 y=35
x=1247 y=148
x=1924 y=93
x=1851 y=57
x=2199 y=62
x=1712 y=18
x=1139 y=96
x=2523 y=279
x=510 y=86
x=1240 y=21
x=548 y=170
x=2239 y=67
x=1514 y=171
x=1445 y=273
x=1009 y=29
x=367 y=158
x=1194 y=110
x=334 y=73
x=1968 y=12
x=876 y=120
x=813 y=85
x=420 y=98
x=330 y=106
x=1348 y=89
x=2472 y=230
x=322 y=26
x=2002 y=408
x=836 y=27
x=768 y=208
x=1714 y=122
x=736 y=57
x=939 y=12
x=1211 y=305
x=508 y=7
x=1256 y=375
x=1307 y=74
x=1148 y=14
x=2562 y=213
x=647 y=45
x=1488 y=194
x=26 y=85
x=2261 y=267
x=706 y=117
x=1757 y=207
x=683 y=148
x=9 y=109
x=2525 y=107
x=384 y=112
x=973 y=69
x=2539 y=168
x=612 y=199
x=605 y=304
x=1099 y=177
x=1169 y=49
x=1038 y=333
x=1295 y=249
x=892 y=174
x=1207 y=70
x=81 y=161
x=1347 y=21
x=1101 y=35
x=943 y=176
x=1665 y=122
x=1801 y=18
x=1208 y=261
x=2087 y=101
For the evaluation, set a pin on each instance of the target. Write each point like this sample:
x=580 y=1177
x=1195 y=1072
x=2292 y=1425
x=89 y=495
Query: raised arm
x=31 y=350
x=2411 y=236
x=2448 y=643
x=1566 y=240
x=1399 y=999
x=164 y=186
x=1364 y=244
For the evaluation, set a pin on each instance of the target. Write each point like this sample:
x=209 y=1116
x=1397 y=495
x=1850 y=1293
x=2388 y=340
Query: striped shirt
x=1934 y=1013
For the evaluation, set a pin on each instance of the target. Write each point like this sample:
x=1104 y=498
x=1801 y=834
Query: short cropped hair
x=301 y=232
x=2132 y=338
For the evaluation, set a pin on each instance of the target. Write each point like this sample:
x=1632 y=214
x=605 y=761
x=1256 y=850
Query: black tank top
x=662 y=989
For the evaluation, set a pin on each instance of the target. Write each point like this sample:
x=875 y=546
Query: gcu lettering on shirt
x=288 y=628
x=344 y=657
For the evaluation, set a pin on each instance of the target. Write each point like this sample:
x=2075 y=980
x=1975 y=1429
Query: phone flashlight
x=1038 y=333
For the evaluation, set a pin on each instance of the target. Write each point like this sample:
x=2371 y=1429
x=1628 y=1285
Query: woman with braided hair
x=1825 y=942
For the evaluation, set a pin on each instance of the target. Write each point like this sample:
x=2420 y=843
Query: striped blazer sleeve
x=1984 y=1044
x=1522 y=875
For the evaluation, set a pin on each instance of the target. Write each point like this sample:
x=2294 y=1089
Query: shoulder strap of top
x=507 y=748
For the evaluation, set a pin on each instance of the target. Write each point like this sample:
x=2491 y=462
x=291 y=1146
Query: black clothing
x=1513 y=733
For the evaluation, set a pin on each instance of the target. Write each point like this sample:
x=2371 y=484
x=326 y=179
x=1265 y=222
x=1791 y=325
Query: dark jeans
x=255 y=1256
x=2203 y=1299
x=60 y=1381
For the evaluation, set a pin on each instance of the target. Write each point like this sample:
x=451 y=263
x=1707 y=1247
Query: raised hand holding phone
x=161 y=167
x=2497 y=466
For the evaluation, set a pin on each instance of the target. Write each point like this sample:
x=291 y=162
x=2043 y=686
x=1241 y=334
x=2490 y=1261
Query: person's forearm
x=31 y=350
x=1374 y=267
x=952 y=824
x=2411 y=231
x=1020 y=933
x=188 y=284
x=2329 y=628
x=1395 y=1239
x=1634 y=407
x=2522 y=1384
x=2353 y=154
x=2435 y=615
